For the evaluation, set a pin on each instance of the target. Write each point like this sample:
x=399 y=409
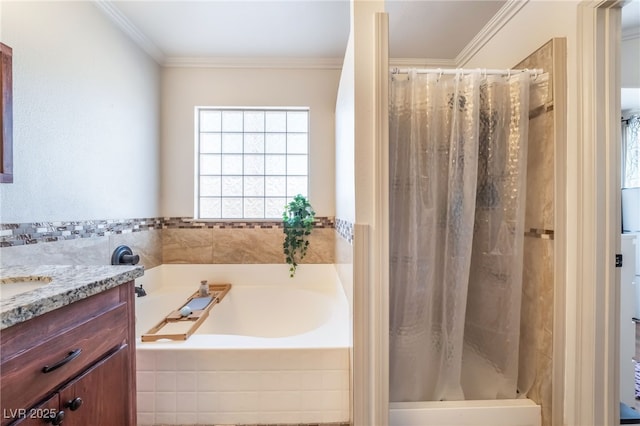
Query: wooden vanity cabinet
x=72 y=366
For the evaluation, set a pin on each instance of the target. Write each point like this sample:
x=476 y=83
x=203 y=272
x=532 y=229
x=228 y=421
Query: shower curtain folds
x=458 y=145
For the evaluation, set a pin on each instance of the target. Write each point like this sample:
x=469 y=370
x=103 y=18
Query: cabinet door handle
x=72 y=355
x=57 y=419
x=74 y=404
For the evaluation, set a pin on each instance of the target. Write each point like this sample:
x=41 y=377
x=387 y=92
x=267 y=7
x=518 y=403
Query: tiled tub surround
x=265 y=355
x=68 y=284
x=157 y=241
x=241 y=242
x=86 y=251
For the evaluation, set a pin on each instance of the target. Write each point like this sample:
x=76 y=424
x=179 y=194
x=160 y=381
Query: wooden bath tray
x=191 y=322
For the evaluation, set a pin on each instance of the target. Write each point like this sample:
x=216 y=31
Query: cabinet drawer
x=62 y=356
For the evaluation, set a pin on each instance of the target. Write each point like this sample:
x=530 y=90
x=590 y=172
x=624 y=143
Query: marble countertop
x=69 y=284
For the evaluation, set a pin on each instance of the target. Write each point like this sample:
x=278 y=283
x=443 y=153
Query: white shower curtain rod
x=448 y=71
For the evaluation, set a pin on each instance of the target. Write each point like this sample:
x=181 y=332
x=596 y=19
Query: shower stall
x=457 y=189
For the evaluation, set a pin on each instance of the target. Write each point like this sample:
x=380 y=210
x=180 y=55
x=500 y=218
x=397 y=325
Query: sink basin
x=11 y=286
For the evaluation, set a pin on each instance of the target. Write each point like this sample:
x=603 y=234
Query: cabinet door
x=100 y=396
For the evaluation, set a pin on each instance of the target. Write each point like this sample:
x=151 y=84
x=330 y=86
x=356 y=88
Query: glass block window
x=250 y=162
x=631 y=152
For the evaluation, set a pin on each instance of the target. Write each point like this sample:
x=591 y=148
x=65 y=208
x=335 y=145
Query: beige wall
x=185 y=88
x=345 y=167
x=345 y=138
x=85 y=129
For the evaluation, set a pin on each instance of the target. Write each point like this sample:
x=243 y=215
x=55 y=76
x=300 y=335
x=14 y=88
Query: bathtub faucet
x=139 y=291
x=123 y=255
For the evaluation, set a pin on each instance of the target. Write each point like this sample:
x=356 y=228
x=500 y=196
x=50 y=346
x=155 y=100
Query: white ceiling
x=241 y=29
x=187 y=30
x=176 y=30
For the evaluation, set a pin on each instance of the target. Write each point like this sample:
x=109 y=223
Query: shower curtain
x=458 y=148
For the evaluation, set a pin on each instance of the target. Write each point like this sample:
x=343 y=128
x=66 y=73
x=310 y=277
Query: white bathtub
x=275 y=350
x=506 y=412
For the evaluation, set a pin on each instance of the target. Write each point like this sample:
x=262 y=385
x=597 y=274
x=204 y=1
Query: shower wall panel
x=537 y=315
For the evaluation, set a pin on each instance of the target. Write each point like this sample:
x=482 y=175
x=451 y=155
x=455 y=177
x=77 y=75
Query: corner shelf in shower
x=169 y=326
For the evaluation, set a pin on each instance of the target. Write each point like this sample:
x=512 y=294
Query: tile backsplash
x=188 y=223
x=345 y=229
x=17 y=234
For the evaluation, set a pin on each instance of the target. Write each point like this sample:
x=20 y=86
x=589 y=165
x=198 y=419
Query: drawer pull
x=72 y=355
x=57 y=419
x=75 y=403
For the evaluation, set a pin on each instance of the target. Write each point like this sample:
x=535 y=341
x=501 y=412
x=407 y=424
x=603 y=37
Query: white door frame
x=371 y=248
x=593 y=223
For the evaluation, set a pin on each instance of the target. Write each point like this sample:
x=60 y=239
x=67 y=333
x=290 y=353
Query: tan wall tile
x=321 y=246
x=247 y=246
x=540 y=176
x=187 y=246
x=146 y=244
x=241 y=245
x=81 y=251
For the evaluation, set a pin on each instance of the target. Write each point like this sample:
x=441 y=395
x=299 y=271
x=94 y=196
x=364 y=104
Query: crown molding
x=113 y=13
x=252 y=62
x=421 y=63
x=504 y=15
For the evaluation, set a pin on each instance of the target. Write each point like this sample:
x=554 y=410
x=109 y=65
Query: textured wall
x=86 y=116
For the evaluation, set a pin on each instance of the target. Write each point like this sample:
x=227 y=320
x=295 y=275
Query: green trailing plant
x=297 y=218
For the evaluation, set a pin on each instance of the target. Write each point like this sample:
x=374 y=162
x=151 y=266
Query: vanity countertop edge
x=69 y=284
